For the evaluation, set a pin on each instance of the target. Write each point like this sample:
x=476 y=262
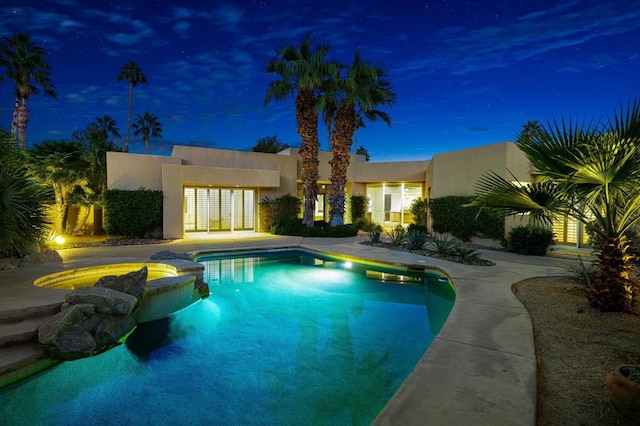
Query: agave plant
x=443 y=245
x=374 y=235
x=466 y=252
x=397 y=235
x=416 y=239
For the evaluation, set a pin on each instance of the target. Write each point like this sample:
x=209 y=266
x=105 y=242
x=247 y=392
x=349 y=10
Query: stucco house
x=211 y=190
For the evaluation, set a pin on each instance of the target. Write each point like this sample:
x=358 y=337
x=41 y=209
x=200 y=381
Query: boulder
x=109 y=332
x=44 y=257
x=133 y=283
x=106 y=300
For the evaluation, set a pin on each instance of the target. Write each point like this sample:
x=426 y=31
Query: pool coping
x=480 y=369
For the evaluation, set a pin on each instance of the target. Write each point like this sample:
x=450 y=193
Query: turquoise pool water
x=284 y=338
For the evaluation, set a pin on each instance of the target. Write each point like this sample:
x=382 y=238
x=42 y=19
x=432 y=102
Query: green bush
x=295 y=227
x=281 y=208
x=358 y=208
x=530 y=240
x=450 y=215
x=419 y=210
x=132 y=213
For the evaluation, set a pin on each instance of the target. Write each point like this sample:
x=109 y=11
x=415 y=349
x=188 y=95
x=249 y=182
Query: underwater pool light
x=348 y=265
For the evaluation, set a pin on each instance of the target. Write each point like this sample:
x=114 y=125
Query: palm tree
x=302 y=71
x=61 y=166
x=25 y=65
x=148 y=126
x=355 y=96
x=133 y=74
x=589 y=172
x=23 y=202
x=107 y=127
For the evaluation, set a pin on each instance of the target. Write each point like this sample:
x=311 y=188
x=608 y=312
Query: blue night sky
x=466 y=73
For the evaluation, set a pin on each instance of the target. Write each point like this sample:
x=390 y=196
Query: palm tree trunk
x=22 y=118
x=146 y=144
x=343 y=132
x=83 y=220
x=307 y=120
x=126 y=142
x=615 y=283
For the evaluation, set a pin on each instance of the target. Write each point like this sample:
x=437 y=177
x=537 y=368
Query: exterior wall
x=400 y=171
x=176 y=177
x=135 y=171
x=272 y=175
x=456 y=173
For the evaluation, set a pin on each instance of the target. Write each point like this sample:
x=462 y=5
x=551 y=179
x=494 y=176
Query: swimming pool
x=284 y=338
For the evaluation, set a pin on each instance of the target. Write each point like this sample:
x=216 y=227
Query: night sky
x=466 y=73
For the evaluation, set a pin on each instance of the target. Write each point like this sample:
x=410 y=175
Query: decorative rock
x=110 y=331
x=167 y=254
x=9 y=263
x=106 y=300
x=64 y=336
x=133 y=283
x=48 y=256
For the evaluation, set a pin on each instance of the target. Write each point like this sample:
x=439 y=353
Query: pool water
x=284 y=338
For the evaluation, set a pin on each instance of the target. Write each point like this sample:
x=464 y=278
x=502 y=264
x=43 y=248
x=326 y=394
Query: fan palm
x=346 y=104
x=302 y=71
x=590 y=172
x=23 y=212
x=61 y=166
x=25 y=65
x=134 y=75
x=107 y=127
x=148 y=126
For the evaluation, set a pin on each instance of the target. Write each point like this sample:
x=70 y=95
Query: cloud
x=181 y=28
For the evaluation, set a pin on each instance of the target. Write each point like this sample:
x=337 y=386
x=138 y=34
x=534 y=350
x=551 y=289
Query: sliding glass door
x=218 y=209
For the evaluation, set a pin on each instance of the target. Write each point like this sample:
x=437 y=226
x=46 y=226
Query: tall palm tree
x=25 y=65
x=61 y=166
x=353 y=98
x=148 y=126
x=590 y=172
x=302 y=71
x=134 y=75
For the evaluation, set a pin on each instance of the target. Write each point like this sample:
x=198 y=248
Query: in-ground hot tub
x=173 y=284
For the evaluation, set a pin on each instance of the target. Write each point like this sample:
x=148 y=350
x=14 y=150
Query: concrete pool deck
x=481 y=368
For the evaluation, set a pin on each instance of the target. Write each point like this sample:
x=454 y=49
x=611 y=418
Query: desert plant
x=374 y=235
x=416 y=239
x=580 y=273
x=466 y=252
x=443 y=245
x=396 y=235
x=530 y=240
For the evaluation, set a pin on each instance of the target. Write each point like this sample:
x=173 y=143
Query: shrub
x=419 y=210
x=416 y=239
x=414 y=227
x=450 y=215
x=374 y=235
x=295 y=227
x=281 y=208
x=358 y=208
x=443 y=245
x=396 y=235
x=530 y=240
x=367 y=225
x=132 y=213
